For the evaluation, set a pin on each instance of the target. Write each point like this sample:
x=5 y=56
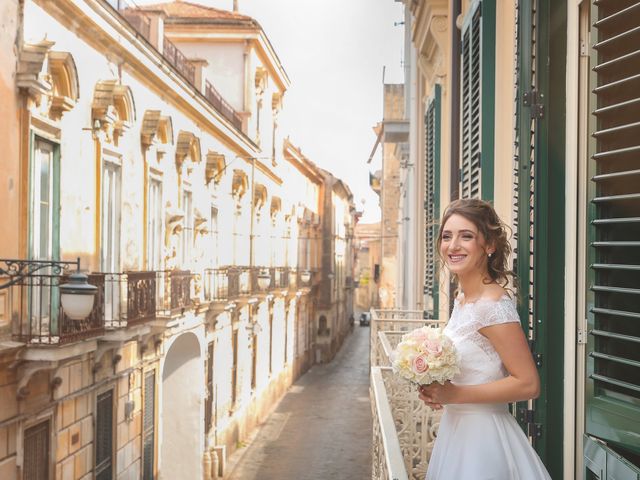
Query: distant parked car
x=365 y=319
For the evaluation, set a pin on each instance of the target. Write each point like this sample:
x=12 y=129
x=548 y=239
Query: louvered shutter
x=36 y=452
x=104 y=436
x=477 y=80
x=470 y=105
x=148 y=426
x=432 y=201
x=613 y=299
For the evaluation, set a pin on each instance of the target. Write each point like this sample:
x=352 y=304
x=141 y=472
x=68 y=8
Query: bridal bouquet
x=425 y=355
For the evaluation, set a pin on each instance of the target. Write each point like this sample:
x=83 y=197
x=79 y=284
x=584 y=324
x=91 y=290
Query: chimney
x=235 y=5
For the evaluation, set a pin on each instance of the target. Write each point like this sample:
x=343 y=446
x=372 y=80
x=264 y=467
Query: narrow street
x=322 y=427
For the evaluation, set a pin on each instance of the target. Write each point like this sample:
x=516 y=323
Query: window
x=104 y=436
x=44 y=230
x=187 y=231
x=36 y=452
x=148 y=426
x=110 y=241
x=208 y=405
x=154 y=224
x=234 y=368
x=213 y=232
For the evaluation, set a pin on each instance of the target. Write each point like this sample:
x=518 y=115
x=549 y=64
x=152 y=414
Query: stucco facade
x=167 y=176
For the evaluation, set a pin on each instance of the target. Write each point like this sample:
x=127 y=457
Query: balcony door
x=111 y=232
x=44 y=233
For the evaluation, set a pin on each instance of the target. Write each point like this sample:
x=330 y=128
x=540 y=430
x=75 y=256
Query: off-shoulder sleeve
x=490 y=313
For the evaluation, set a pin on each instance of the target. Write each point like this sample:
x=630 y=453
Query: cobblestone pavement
x=322 y=427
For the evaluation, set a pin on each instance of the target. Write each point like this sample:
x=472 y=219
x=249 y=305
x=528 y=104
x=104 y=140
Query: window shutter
x=36 y=452
x=148 y=426
x=208 y=405
x=613 y=299
x=477 y=79
x=432 y=201
x=470 y=104
x=104 y=436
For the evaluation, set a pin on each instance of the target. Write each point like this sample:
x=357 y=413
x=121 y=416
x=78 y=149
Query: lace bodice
x=478 y=360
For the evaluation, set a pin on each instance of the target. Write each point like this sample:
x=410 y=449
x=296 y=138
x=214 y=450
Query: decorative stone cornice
x=187 y=145
x=149 y=129
x=113 y=107
x=215 y=166
x=259 y=196
x=239 y=183
x=48 y=77
x=430 y=38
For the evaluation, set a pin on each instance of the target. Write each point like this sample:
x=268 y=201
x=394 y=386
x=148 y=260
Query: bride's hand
x=436 y=395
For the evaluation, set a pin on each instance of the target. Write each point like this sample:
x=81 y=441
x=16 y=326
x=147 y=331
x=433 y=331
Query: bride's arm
x=522 y=383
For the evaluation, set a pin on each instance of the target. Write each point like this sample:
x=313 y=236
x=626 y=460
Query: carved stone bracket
x=28 y=370
x=239 y=184
x=259 y=196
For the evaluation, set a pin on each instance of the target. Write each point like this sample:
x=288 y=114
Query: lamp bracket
x=17 y=270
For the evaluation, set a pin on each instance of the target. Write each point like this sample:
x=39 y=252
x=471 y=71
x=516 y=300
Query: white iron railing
x=403 y=425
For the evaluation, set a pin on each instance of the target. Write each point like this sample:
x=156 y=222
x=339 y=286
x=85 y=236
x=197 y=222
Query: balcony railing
x=220 y=104
x=179 y=61
x=404 y=428
x=34 y=304
x=141 y=297
x=173 y=292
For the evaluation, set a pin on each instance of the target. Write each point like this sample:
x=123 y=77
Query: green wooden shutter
x=148 y=426
x=104 y=436
x=432 y=201
x=477 y=111
x=613 y=296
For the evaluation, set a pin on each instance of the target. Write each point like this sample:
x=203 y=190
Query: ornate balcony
x=141 y=297
x=404 y=429
x=173 y=292
x=34 y=303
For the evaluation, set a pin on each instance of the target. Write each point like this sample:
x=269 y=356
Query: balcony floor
x=322 y=427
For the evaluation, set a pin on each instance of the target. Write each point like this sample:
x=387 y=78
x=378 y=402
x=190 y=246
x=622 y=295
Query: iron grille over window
x=36 y=452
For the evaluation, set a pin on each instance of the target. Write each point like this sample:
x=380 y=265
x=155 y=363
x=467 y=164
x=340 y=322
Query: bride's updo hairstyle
x=492 y=229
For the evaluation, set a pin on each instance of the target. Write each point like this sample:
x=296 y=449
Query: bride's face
x=463 y=247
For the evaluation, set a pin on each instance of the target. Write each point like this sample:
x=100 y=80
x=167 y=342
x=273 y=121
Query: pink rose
x=419 y=335
x=419 y=364
x=433 y=347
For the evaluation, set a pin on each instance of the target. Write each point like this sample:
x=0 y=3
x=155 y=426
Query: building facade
x=528 y=105
x=367 y=266
x=145 y=144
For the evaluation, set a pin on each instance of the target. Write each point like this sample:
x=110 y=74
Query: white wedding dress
x=481 y=441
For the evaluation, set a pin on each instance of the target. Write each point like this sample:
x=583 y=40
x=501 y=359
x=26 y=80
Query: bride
x=478 y=438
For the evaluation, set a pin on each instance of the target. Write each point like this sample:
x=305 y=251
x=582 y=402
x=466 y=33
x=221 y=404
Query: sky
x=334 y=52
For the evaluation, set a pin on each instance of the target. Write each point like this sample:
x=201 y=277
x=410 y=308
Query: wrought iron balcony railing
x=38 y=319
x=174 y=292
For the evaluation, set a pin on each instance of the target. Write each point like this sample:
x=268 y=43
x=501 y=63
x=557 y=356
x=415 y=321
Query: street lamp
x=76 y=295
x=264 y=280
x=305 y=276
